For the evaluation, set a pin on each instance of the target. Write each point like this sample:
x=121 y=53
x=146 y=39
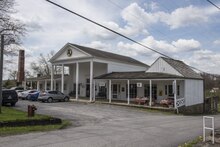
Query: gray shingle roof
x=182 y=68
x=137 y=75
x=108 y=55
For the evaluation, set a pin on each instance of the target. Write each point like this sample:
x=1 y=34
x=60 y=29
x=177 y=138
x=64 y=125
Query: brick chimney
x=21 y=60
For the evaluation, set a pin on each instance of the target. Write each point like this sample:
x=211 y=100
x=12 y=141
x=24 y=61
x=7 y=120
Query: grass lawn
x=10 y=114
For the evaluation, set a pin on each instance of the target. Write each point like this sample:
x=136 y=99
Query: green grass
x=10 y=114
x=5 y=131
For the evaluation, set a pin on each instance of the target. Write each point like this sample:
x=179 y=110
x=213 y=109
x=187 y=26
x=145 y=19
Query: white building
x=120 y=77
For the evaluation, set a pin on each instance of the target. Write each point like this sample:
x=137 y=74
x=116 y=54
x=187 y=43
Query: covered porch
x=142 y=88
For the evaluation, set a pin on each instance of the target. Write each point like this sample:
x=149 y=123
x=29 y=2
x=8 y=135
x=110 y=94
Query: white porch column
x=62 y=79
x=150 y=93
x=128 y=83
x=94 y=91
x=174 y=92
x=38 y=85
x=91 y=81
x=25 y=84
x=55 y=84
x=110 y=91
x=31 y=85
x=77 y=80
x=45 y=84
x=52 y=77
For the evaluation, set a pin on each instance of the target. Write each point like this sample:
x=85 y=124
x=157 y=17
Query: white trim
x=63 y=49
x=128 y=84
x=145 y=79
x=150 y=103
x=77 y=80
x=52 y=77
x=94 y=91
x=110 y=91
x=175 y=93
x=55 y=84
x=38 y=85
x=91 y=81
x=62 y=79
x=79 y=60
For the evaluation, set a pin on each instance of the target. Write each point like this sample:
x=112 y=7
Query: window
x=165 y=89
x=178 y=90
x=102 y=91
x=52 y=92
x=133 y=90
x=147 y=90
x=169 y=90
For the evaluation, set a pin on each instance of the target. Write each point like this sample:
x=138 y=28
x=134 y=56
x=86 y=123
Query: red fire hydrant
x=31 y=110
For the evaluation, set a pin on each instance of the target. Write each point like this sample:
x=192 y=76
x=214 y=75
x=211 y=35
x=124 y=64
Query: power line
x=132 y=40
x=149 y=48
x=213 y=4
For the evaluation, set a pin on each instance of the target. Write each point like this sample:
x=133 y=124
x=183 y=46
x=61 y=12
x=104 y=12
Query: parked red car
x=167 y=102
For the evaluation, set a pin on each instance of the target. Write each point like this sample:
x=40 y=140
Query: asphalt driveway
x=99 y=125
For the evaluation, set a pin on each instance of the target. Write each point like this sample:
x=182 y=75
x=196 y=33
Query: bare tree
x=11 y=28
x=42 y=66
x=13 y=75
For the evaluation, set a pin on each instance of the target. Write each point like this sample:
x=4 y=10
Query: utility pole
x=1 y=69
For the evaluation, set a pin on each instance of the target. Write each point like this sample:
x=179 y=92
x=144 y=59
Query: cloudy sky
x=187 y=30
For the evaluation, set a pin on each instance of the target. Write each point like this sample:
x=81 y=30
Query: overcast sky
x=188 y=30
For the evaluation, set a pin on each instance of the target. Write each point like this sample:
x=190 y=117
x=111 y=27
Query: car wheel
x=66 y=99
x=12 y=104
x=49 y=100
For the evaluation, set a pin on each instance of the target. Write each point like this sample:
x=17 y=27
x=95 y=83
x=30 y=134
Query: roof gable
x=162 y=66
x=69 y=52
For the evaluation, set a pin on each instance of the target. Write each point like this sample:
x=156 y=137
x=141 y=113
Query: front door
x=87 y=87
x=115 y=91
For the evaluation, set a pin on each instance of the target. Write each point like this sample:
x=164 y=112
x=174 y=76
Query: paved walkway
x=99 y=125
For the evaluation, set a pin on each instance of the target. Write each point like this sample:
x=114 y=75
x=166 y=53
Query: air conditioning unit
x=139 y=84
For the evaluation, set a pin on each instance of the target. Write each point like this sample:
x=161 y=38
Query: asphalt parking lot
x=100 y=125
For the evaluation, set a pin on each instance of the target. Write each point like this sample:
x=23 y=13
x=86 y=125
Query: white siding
x=193 y=92
x=120 y=67
x=163 y=67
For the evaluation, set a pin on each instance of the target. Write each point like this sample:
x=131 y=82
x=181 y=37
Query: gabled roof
x=137 y=75
x=182 y=68
x=107 y=55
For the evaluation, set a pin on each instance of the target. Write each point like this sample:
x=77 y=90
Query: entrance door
x=115 y=91
x=87 y=87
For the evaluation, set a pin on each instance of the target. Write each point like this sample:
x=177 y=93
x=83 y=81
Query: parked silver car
x=24 y=95
x=50 y=96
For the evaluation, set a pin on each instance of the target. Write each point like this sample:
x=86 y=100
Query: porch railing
x=180 y=102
